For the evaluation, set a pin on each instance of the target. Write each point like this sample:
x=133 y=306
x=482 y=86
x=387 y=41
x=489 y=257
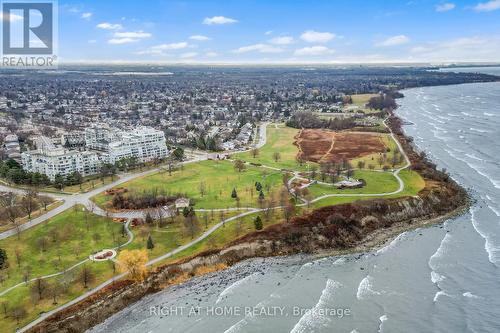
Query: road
x=84 y=199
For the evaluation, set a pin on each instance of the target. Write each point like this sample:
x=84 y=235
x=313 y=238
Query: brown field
x=317 y=145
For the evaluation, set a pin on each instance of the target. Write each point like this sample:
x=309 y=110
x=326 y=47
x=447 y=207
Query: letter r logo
x=27 y=27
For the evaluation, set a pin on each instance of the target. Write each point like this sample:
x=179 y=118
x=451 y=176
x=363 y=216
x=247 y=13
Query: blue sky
x=294 y=31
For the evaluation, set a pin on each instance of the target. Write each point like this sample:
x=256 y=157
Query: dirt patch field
x=317 y=145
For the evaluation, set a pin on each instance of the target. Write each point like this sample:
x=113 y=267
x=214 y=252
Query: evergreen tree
x=261 y=195
x=149 y=218
x=258 y=223
x=150 y=245
x=3 y=259
x=234 y=195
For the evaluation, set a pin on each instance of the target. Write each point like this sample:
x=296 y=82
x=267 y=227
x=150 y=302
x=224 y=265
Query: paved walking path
x=85 y=200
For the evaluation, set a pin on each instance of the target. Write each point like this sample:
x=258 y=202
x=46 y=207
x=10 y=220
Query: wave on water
x=439 y=252
x=392 y=244
x=468 y=294
x=491 y=249
x=365 y=288
x=477 y=130
x=313 y=318
x=382 y=319
x=436 y=277
x=230 y=290
x=438 y=294
x=477 y=168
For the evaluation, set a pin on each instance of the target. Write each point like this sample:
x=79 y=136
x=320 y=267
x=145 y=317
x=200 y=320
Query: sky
x=279 y=31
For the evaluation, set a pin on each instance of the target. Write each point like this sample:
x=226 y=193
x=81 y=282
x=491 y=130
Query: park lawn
x=35 y=214
x=279 y=139
x=390 y=144
x=89 y=183
x=414 y=183
x=73 y=244
x=228 y=233
x=361 y=99
x=376 y=182
x=219 y=179
x=72 y=288
x=174 y=234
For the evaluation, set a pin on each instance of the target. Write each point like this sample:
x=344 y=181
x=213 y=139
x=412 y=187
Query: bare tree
x=9 y=202
x=86 y=276
x=255 y=152
x=18 y=313
x=202 y=188
x=28 y=201
x=45 y=201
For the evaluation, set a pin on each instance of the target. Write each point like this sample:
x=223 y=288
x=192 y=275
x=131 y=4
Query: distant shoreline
x=111 y=299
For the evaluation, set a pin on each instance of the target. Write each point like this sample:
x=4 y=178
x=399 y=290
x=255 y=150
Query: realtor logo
x=28 y=28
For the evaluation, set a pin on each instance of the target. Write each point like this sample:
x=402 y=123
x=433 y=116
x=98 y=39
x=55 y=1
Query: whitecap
x=478 y=130
x=230 y=289
x=468 y=294
x=392 y=244
x=365 y=288
x=490 y=248
x=436 y=277
x=438 y=294
x=382 y=319
x=313 y=318
x=439 y=252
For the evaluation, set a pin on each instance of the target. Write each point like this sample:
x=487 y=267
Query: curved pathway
x=85 y=200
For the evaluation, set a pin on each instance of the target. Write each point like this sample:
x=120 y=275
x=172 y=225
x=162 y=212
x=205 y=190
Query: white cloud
x=161 y=48
x=268 y=32
x=317 y=50
x=444 y=7
x=119 y=41
x=200 y=38
x=487 y=6
x=262 y=48
x=211 y=54
x=465 y=49
x=109 y=26
x=171 y=46
x=283 y=40
x=132 y=34
x=188 y=55
x=92 y=41
x=394 y=40
x=86 y=16
x=218 y=20
x=312 y=36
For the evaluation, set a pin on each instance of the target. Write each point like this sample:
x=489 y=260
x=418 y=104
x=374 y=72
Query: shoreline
x=183 y=270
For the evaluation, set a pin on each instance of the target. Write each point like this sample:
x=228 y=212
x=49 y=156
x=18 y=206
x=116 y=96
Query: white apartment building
x=99 y=136
x=12 y=147
x=60 y=161
x=145 y=143
x=103 y=145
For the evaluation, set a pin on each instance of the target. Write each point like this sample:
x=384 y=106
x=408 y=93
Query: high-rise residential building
x=60 y=161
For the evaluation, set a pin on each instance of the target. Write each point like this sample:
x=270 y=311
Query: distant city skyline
x=280 y=32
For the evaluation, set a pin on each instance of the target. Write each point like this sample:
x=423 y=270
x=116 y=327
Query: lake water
x=444 y=278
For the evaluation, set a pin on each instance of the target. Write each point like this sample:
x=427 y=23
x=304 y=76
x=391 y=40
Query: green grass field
x=51 y=247
x=231 y=231
x=218 y=178
x=279 y=139
x=376 y=182
x=414 y=183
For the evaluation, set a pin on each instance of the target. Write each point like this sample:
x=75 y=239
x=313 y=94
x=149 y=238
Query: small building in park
x=181 y=203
